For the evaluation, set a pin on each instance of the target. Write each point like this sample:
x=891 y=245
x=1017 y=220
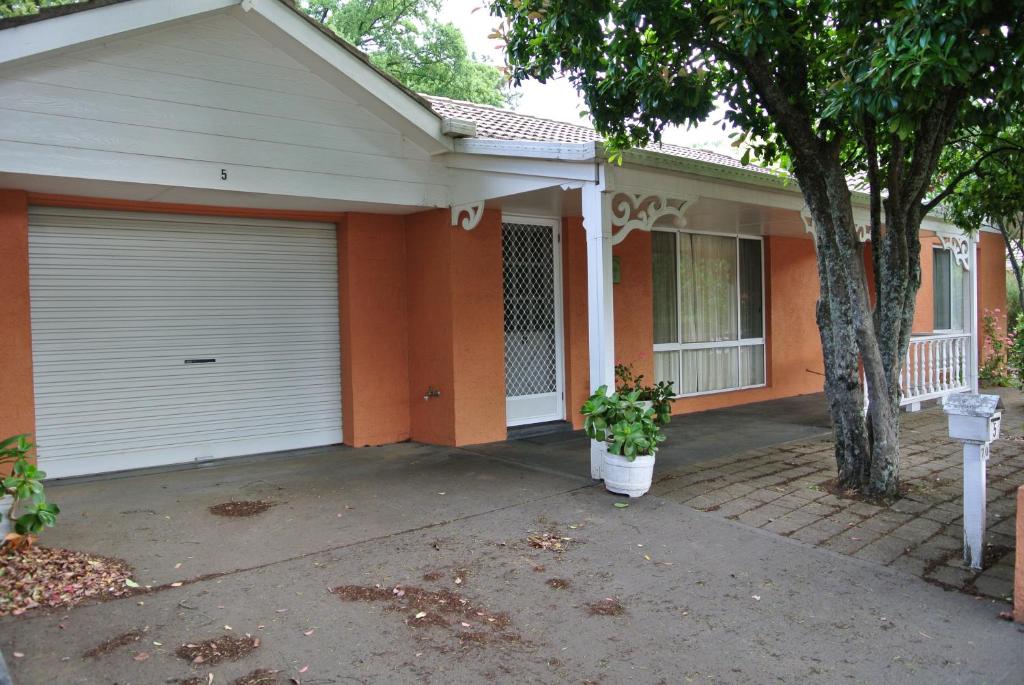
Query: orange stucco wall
x=478 y=329
x=574 y=317
x=17 y=398
x=793 y=348
x=456 y=329
x=421 y=306
x=374 y=335
x=924 y=307
x=991 y=282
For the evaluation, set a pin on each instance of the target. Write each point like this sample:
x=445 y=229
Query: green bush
x=31 y=512
x=624 y=421
x=660 y=395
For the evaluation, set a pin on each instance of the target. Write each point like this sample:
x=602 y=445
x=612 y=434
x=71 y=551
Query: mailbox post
x=974 y=421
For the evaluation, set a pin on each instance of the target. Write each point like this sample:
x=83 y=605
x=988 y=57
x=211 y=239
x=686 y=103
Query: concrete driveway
x=694 y=598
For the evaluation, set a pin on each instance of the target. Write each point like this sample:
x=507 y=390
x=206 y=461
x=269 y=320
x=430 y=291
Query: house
x=225 y=232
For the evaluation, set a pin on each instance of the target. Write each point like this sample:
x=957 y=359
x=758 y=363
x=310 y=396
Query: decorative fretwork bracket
x=960 y=247
x=474 y=211
x=630 y=211
x=863 y=230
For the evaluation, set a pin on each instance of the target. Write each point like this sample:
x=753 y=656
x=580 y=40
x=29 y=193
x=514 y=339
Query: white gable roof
x=324 y=53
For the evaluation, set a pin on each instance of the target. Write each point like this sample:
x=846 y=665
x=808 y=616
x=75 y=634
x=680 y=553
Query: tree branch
x=960 y=177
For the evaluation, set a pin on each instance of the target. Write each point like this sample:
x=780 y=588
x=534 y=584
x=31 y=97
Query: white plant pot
x=6 y=525
x=598 y=451
x=627 y=477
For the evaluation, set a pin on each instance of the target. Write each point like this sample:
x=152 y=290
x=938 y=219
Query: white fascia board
x=750 y=178
x=579 y=152
x=79 y=28
x=563 y=171
x=473 y=187
x=349 y=73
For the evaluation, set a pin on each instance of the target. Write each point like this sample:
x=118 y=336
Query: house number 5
x=223 y=174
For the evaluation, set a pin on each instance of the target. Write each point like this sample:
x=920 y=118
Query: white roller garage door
x=161 y=339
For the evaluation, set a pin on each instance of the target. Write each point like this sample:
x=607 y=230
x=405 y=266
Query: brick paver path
x=783 y=489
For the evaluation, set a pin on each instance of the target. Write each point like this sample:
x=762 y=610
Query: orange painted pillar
x=17 y=398
x=456 y=329
x=991 y=284
x=374 y=334
x=576 y=331
x=633 y=302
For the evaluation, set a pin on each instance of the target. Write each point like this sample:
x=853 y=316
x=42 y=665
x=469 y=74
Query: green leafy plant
x=661 y=396
x=624 y=421
x=1015 y=352
x=993 y=370
x=31 y=512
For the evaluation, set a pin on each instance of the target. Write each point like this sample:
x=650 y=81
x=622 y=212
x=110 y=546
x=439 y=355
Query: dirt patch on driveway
x=439 y=608
x=241 y=508
x=606 y=607
x=261 y=676
x=218 y=649
x=558 y=583
x=114 y=643
x=549 y=540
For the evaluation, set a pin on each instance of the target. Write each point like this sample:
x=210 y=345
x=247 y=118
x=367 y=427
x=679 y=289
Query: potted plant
x=659 y=397
x=23 y=506
x=628 y=423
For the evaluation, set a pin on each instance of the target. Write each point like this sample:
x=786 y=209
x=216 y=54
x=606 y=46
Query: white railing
x=936 y=365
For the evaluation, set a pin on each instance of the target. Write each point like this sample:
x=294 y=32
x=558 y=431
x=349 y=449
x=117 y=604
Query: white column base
x=975 y=456
x=598 y=450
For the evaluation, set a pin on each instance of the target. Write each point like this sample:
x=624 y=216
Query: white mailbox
x=974 y=420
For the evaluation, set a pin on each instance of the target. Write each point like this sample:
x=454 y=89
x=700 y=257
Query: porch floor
x=692 y=438
x=702 y=597
x=784 y=489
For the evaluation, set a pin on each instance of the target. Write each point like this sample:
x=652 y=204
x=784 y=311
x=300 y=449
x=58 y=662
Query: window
x=948 y=289
x=708 y=311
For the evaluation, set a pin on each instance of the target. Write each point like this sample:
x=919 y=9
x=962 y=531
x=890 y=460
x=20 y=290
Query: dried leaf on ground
x=549 y=540
x=215 y=650
x=53 y=577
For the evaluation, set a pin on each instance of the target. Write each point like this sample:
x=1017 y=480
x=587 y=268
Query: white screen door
x=533 y=320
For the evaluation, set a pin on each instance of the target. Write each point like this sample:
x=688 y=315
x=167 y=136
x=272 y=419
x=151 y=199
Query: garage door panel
x=120 y=301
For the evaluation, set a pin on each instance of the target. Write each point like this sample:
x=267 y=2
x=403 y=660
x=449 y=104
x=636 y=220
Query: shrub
x=993 y=370
x=30 y=512
x=625 y=422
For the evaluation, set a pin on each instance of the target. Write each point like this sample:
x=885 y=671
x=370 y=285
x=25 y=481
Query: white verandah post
x=600 y=311
x=974 y=357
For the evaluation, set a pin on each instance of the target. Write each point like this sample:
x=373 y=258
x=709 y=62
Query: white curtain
x=752 y=365
x=707 y=288
x=666 y=305
x=956 y=296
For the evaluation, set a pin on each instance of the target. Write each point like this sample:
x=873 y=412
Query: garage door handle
x=200 y=361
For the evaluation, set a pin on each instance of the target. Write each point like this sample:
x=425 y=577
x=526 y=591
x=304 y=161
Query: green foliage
x=31 y=512
x=993 y=370
x=1013 y=308
x=406 y=39
x=790 y=72
x=624 y=421
x=660 y=396
x=18 y=8
x=1015 y=351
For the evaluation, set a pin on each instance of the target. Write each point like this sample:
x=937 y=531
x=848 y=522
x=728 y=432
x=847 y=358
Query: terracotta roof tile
x=505 y=124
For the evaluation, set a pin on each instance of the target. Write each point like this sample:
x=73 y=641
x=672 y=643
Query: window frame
x=953 y=264
x=740 y=342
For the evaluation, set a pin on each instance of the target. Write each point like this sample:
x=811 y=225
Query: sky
x=558 y=99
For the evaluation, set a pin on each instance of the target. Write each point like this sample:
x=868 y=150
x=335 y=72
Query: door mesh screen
x=529 y=275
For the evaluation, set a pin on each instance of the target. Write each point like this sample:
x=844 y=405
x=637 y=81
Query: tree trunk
x=866 y=438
